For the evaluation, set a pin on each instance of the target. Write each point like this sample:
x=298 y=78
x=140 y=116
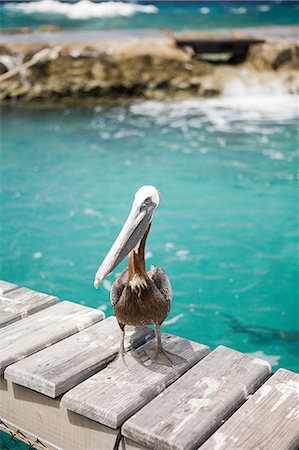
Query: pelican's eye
x=146 y=203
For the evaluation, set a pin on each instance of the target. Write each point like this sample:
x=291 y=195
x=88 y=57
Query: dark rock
x=3 y=68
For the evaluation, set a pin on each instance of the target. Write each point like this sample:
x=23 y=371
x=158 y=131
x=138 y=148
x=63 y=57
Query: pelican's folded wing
x=118 y=287
x=162 y=282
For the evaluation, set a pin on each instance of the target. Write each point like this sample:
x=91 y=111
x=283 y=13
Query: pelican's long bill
x=132 y=232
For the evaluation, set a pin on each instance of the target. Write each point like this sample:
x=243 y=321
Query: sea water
x=225 y=231
x=174 y=15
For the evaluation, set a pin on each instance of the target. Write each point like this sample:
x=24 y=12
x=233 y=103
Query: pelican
x=138 y=297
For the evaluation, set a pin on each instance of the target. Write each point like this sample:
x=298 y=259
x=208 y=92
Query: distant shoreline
x=56 y=34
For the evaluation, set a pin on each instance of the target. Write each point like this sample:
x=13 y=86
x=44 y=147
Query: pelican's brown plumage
x=138 y=297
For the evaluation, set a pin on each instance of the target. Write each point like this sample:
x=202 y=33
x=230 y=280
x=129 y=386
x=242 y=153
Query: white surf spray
x=84 y=9
x=221 y=111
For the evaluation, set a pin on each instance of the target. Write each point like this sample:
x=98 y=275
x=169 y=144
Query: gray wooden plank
x=58 y=368
x=20 y=303
x=28 y=336
x=268 y=420
x=115 y=393
x=6 y=286
x=190 y=410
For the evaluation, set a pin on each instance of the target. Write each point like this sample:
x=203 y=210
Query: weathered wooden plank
x=62 y=366
x=188 y=412
x=268 y=420
x=20 y=303
x=6 y=286
x=28 y=336
x=115 y=393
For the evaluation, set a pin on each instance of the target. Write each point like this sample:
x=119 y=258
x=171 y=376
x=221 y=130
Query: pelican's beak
x=132 y=232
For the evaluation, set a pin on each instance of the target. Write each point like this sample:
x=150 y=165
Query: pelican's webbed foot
x=161 y=356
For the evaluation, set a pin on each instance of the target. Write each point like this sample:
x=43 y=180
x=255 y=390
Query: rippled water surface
x=225 y=231
x=183 y=15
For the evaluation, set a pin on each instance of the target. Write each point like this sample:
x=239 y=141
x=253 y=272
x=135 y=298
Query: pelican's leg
x=161 y=354
x=158 y=339
x=122 y=351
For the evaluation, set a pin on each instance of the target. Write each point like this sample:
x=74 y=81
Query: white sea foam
x=204 y=10
x=107 y=285
x=182 y=254
x=247 y=96
x=92 y=212
x=174 y=319
x=239 y=10
x=272 y=359
x=148 y=255
x=264 y=8
x=102 y=307
x=169 y=246
x=84 y=9
x=245 y=82
x=37 y=255
x=221 y=111
x=274 y=154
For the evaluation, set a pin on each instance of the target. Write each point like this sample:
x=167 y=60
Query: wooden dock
x=63 y=389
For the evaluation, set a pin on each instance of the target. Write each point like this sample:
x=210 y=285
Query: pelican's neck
x=137 y=271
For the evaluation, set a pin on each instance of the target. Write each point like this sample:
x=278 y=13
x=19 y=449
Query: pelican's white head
x=145 y=202
x=146 y=194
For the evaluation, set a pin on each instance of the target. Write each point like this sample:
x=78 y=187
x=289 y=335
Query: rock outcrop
x=274 y=55
x=147 y=68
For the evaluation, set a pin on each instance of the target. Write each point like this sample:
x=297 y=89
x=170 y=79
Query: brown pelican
x=138 y=297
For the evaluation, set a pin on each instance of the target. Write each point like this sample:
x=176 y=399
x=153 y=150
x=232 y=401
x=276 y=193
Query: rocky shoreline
x=53 y=70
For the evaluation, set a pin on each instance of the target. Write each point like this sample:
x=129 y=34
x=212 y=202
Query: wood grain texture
x=193 y=407
x=268 y=420
x=115 y=393
x=28 y=336
x=6 y=286
x=20 y=303
x=58 y=368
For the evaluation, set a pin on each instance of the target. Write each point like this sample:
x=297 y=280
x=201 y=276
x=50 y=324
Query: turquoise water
x=225 y=231
x=173 y=15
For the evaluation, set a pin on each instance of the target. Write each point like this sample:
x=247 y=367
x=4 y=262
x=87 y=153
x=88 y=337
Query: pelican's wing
x=118 y=287
x=162 y=282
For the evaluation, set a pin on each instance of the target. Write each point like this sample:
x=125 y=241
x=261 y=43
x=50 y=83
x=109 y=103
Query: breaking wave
x=222 y=109
x=85 y=9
